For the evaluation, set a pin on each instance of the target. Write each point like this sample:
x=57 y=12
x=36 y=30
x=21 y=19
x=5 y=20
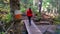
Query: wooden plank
x=33 y=29
x=44 y=28
x=27 y=27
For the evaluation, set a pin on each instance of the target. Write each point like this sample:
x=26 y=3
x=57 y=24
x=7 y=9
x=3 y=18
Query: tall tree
x=40 y=5
x=15 y=7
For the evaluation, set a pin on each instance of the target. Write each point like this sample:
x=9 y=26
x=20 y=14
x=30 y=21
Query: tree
x=15 y=5
x=40 y=5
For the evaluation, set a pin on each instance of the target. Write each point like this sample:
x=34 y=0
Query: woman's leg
x=29 y=18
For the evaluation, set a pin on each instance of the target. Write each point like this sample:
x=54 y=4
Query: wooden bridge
x=38 y=29
x=33 y=29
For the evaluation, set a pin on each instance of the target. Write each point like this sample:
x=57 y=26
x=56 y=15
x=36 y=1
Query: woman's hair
x=29 y=8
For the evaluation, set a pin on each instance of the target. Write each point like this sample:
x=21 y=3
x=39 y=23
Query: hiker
x=29 y=15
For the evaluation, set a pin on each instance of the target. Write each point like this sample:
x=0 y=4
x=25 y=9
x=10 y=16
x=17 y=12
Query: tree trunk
x=40 y=5
x=33 y=2
x=15 y=5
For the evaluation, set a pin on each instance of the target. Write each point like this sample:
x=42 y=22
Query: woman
x=29 y=15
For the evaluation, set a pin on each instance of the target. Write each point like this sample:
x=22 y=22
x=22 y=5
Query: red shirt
x=29 y=12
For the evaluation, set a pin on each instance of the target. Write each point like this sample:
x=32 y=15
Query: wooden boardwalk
x=44 y=28
x=33 y=29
